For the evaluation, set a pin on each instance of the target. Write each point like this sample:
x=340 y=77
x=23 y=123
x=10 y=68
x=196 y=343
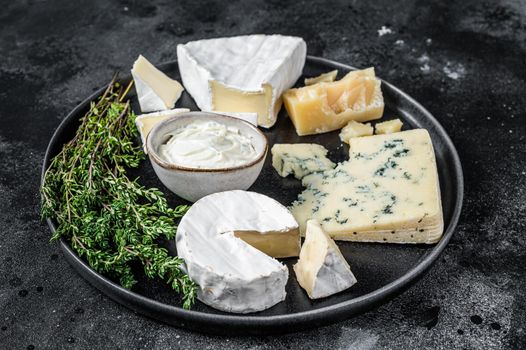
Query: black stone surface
x=464 y=60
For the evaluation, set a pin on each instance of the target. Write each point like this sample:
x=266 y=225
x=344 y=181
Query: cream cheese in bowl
x=207 y=144
x=195 y=154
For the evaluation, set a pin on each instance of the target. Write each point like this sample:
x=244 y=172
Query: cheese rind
x=243 y=73
x=355 y=129
x=388 y=127
x=146 y=122
x=155 y=90
x=388 y=191
x=325 y=78
x=300 y=159
x=324 y=107
x=232 y=275
x=322 y=269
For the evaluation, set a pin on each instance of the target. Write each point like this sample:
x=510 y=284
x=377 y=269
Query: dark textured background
x=464 y=60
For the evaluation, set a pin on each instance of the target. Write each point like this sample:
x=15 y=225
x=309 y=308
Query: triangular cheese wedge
x=322 y=269
x=243 y=73
x=155 y=90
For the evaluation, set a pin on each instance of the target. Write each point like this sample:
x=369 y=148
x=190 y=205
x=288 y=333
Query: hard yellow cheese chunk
x=325 y=77
x=325 y=106
x=388 y=191
x=388 y=127
x=355 y=129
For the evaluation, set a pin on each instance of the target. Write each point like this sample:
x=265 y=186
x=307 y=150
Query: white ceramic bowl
x=195 y=183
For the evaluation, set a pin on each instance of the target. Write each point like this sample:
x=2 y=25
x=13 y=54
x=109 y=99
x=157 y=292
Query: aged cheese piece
x=146 y=122
x=325 y=107
x=388 y=127
x=243 y=73
x=388 y=191
x=156 y=92
x=300 y=159
x=355 y=129
x=325 y=77
x=322 y=269
x=234 y=276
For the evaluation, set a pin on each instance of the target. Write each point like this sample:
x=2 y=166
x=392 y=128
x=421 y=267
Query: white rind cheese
x=146 y=122
x=388 y=191
x=243 y=73
x=155 y=90
x=232 y=275
x=322 y=269
x=300 y=159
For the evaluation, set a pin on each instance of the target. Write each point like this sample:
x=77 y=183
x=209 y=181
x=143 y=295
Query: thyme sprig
x=109 y=219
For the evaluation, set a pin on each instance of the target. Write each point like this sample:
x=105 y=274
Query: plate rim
x=271 y=324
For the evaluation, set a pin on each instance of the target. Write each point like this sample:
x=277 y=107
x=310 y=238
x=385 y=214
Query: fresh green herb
x=109 y=219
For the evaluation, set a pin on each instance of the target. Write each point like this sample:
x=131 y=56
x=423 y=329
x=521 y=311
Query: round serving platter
x=382 y=270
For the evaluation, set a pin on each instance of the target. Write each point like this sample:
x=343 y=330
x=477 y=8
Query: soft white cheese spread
x=207 y=144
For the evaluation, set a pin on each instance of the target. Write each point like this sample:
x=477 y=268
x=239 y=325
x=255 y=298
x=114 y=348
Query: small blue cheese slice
x=322 y=269
x=300 y=159
x=388 y=191
x=155 y=90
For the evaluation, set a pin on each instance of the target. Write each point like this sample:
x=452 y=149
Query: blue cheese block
x=300 y=159
x=388 y=191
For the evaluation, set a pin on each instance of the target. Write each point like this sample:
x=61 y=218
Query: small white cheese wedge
x=355 y=129
x=300 y=159
x=325 y=78
x=155 y=90
x=146 y=122
x=243 y=73
x=234 y=276
x=322 y=269
x=388 y=127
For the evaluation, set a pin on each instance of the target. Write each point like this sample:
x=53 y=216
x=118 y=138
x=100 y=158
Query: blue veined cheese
x=388 y=191
x=300 y=159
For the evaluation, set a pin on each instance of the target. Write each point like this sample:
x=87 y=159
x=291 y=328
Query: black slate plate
x=382 y=270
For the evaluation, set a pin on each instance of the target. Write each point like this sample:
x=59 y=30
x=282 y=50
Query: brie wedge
x=234 y=276
x=243 y=73
x=322 y=269
x=146 y=122
x=155 y=91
